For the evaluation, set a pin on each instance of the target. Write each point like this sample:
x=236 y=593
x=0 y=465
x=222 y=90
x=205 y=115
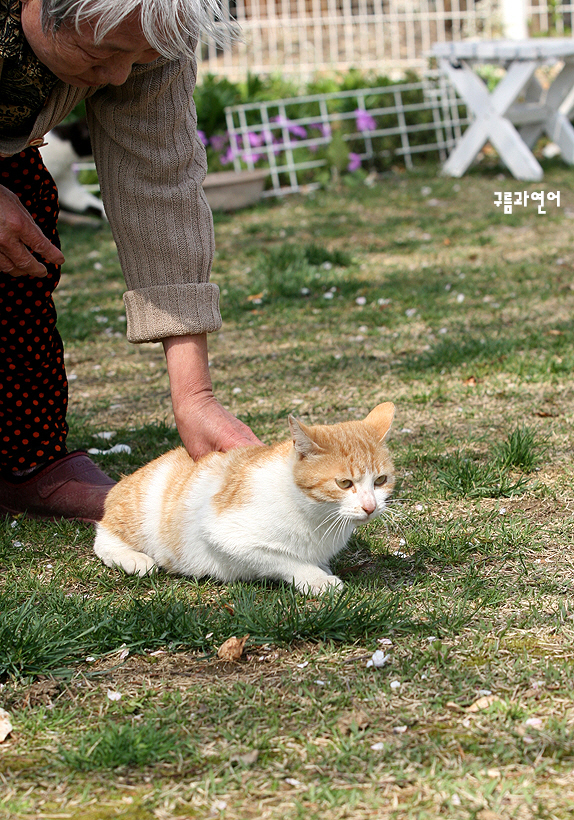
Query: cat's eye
x=382 y=479
x=344 y=483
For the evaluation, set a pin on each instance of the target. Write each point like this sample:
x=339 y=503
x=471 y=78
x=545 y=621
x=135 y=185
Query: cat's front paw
x=319 y=583
x=140 y=564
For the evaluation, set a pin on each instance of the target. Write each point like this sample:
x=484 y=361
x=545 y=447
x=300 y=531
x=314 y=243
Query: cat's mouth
x=362 y=517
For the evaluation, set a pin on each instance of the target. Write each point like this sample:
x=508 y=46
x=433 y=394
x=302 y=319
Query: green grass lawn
x=417 y=290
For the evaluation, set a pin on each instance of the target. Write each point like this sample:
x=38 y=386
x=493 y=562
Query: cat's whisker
x=334 y=514
x=331 y=527
x=337 y=526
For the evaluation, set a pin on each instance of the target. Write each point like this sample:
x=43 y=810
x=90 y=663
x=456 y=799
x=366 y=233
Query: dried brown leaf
x=357 y=719
x=483 y=703
x=247 y=759
x=232 y=648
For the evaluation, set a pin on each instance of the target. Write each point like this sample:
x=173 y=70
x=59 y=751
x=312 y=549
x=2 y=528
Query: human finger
x=8 y=266
x=33 y=238
x=19 y=236
x=20 y=262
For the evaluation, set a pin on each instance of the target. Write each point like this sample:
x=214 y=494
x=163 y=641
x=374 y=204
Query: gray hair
x=169 y=26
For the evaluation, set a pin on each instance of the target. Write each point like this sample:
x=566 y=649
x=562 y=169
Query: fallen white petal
x=292 y=781
x=5 y=725
x=303 y=665
x=114 y=695
x=379 y=659
x=117 y=448
x=399 y=730
x=376 y=747
x=535 y=722
x=395 y=684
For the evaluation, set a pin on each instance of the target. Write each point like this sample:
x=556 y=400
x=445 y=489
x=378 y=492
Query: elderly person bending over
x=132 y=62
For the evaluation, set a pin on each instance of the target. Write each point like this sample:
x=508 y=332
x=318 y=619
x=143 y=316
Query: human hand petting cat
x=203 y=424
x=19 y=237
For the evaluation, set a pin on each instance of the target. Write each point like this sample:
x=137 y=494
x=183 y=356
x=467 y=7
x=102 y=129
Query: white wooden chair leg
x=560 y=131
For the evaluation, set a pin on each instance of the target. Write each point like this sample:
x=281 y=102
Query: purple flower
x=202 y=137
x=255 y=140
x=251 y=157
x=365 y=122
x=323 y=128
x=354 y=161
x=228 y=157
x=292 y=127
x=219 y=141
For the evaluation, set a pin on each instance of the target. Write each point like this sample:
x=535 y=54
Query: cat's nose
x=369 y=505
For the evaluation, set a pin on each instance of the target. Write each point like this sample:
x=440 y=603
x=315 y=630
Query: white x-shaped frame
x=512 y=128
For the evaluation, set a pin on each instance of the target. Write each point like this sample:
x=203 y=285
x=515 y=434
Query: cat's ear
x=381 y=418
x=302 y=441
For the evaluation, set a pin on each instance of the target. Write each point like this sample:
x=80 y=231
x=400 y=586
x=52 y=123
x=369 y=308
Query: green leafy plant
x=522 y=449
x=463 y=476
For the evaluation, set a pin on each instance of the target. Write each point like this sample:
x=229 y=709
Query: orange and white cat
x=280 y=512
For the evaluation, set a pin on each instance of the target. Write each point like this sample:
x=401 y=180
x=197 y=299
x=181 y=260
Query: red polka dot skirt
x=33 y=385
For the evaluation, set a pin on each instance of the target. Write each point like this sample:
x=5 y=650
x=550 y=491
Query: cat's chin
x=368 y=517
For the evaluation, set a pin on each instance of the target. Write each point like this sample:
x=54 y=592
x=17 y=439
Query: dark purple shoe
x=71 y=487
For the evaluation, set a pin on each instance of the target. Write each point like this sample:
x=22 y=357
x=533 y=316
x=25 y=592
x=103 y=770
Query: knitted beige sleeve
x=151 y=166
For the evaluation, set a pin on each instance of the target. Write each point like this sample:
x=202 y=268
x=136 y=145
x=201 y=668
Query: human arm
x=151 y=166
x=203 y=424
x=19 y=237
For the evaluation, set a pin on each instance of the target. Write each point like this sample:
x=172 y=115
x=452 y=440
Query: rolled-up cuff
x=171 y=310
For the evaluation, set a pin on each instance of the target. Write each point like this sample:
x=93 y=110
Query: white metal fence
x=301 y=37
x=546 y=17
x=292 y=137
